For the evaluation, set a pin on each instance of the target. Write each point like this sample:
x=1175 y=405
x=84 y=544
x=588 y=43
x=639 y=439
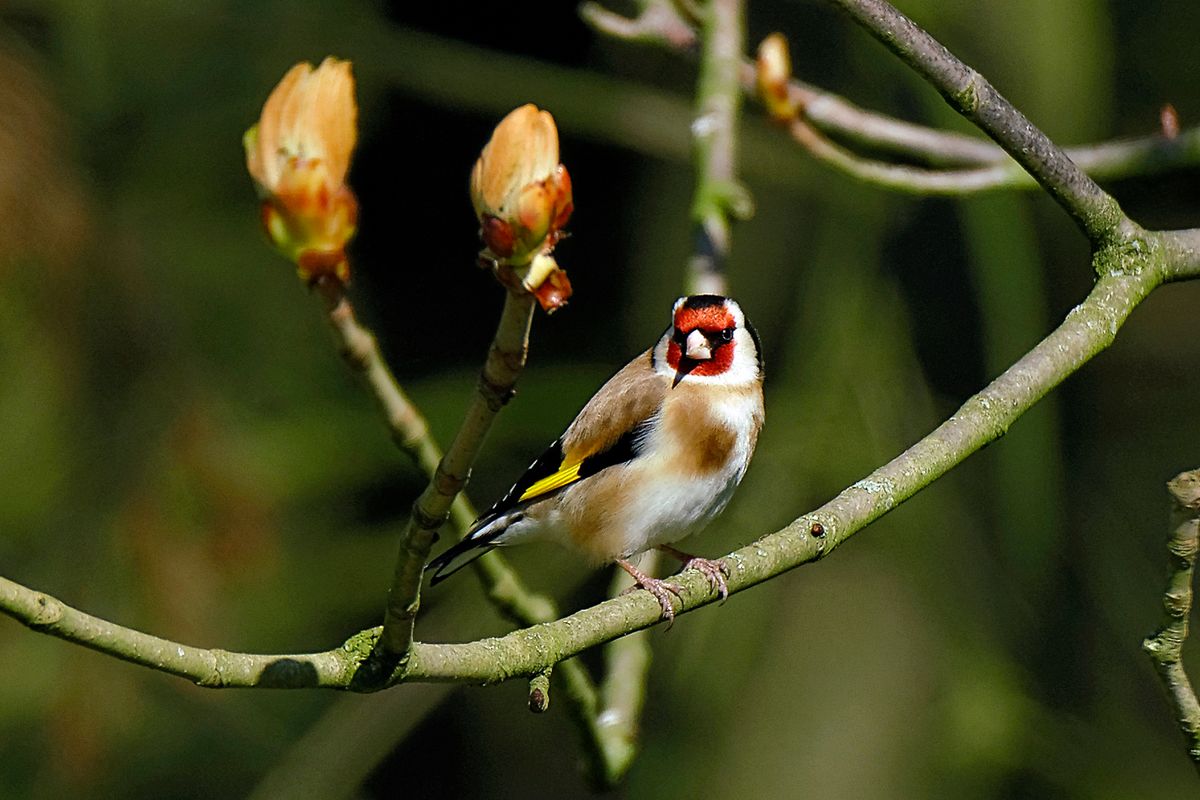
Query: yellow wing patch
x=566 y=474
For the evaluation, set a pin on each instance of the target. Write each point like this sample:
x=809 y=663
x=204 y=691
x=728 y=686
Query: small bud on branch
x=773 y=72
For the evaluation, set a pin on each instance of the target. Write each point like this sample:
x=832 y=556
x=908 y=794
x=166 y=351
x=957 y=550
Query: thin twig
x=1145 y=156
x=657 y=21
x=983 y=165
x=837 y=117
x=505 y=360
x=969 y=93
x=607 y=719
x=903 y=178
x=1165 y=647
x=360 y=350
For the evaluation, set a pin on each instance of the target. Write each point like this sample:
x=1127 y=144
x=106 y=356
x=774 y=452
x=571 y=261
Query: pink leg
x=716 y=570
x=662 y=590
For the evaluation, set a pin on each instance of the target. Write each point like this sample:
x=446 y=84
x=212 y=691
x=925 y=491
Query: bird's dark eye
x=726 y=335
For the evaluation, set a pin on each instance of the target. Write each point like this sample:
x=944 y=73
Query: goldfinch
x=654 y=455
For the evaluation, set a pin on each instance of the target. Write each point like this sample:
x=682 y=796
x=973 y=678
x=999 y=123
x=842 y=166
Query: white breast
x=667 y=503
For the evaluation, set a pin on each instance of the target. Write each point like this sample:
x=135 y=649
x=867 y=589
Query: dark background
x=182 y=451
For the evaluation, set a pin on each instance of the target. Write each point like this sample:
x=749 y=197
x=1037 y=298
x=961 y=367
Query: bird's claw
x=715 y=570
x=661 y=591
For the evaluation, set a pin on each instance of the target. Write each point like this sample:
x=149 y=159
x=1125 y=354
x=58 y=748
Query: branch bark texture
x=1165 y=647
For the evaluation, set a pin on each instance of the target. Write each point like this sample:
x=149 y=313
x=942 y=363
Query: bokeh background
x=182 y=451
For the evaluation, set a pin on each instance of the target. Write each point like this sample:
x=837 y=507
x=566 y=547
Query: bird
x=652 y=458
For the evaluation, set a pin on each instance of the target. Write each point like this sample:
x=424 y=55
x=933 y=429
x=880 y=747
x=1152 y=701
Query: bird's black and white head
x=709 y=341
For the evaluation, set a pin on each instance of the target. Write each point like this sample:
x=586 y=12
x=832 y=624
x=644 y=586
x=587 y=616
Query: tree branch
x=838 y=117
x=719 y=197
x=657 y=21
x=501 y=584
x=1129 y=269
x=410 y=431
x=608 y=718
x=1183 y=254
x=1144 y=156
x=215 y=669
x=903 y=178
x=504 y=362
x=1165 y=647
x=360 y=350
x=1087 y=330
x=622 y=695
x=969 y=93
x=985 y=166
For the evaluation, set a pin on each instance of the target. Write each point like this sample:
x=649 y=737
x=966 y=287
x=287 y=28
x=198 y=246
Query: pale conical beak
x=698 y=348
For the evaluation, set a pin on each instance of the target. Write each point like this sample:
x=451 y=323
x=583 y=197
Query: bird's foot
x=661 y=590
x=716 y=570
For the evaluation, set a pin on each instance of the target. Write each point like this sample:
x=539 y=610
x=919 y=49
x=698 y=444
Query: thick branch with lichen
x=1165 y=647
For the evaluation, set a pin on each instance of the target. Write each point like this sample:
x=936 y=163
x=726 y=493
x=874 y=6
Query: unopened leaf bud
x=298 y=155
x=773 y=73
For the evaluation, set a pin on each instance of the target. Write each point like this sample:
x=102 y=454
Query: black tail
x=456 y=558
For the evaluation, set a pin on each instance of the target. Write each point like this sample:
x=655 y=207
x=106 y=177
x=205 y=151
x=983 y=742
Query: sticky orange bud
x=521 y=194
x=548 y=283
x=298 y=155
x=773 y=71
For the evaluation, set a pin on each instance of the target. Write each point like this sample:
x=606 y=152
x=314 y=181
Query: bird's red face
x=702 y=337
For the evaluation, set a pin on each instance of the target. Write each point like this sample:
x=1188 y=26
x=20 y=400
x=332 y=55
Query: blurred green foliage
x=182 y=451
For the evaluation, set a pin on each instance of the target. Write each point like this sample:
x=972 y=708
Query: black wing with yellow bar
x=551 y=471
